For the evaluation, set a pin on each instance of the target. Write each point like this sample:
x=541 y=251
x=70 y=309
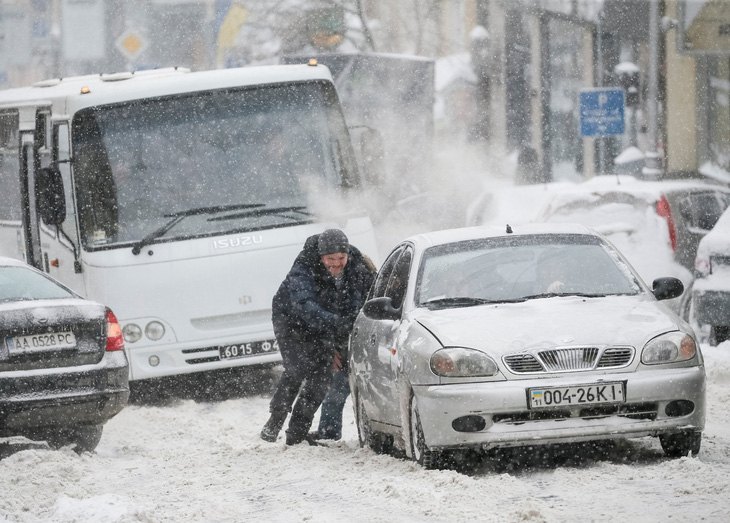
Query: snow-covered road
x=188 y=460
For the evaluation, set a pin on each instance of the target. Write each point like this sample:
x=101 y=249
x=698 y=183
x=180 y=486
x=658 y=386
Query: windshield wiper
x=553 y=294
x=177 y=217
x=459 y=301
x=266 y=212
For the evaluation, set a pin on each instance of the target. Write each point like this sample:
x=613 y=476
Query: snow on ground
x=187 y=460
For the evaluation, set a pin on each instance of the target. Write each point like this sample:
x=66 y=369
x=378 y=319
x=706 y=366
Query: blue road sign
x=601 y=112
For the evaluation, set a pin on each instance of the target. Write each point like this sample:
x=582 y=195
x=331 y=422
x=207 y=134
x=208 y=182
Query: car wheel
x=679 y=445
x=364 y=432
x=85 y=438
x=719 y=334
x=379 y=443
x=428 y=459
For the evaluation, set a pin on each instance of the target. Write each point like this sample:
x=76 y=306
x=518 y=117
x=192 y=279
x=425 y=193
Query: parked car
x=485 y=337
x=708 y=301
x=636 y=214
x=63 y=371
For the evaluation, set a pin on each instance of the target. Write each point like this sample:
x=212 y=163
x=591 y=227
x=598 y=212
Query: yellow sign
x=131 y=44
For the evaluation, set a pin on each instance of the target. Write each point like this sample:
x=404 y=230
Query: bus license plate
x=594 y=394
x=241 y=350
x=51 y=340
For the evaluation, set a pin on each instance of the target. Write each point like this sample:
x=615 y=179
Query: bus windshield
x=207 y=163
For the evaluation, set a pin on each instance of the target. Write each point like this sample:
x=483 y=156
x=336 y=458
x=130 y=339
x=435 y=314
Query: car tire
x=681 y=444
x=428 y=459
x=377 y=442
x=84 y=438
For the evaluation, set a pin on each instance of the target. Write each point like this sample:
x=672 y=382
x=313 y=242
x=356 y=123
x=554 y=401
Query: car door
x=699 y=212
x=364 y=346
x=384 y=337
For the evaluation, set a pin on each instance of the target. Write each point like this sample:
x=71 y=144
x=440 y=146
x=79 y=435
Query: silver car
x=482 y=338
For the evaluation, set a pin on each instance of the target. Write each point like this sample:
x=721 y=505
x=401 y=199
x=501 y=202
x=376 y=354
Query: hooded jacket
x=308 y=307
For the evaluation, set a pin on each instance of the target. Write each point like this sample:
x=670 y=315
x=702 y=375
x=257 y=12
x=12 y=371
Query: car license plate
x=241 y=350
x=593 y=394
x=51 y=340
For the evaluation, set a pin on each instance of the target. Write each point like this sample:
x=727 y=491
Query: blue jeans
x=330 y=419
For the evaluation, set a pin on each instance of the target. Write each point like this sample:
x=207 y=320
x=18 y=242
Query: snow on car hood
x=558 y=321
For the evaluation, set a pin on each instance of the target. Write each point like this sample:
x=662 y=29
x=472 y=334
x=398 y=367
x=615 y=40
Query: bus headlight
x=131 y=333
x=154 y=330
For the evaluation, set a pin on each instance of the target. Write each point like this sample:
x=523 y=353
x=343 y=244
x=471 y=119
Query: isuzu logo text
x=239 y=241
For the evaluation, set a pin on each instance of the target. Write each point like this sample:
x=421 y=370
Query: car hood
x=549 y=322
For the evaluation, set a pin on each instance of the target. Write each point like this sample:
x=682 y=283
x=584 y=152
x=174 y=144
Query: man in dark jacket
x=313 y=313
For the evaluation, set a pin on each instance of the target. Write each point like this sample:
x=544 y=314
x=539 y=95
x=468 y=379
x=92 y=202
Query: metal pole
x=601 y=140
x=652 y=167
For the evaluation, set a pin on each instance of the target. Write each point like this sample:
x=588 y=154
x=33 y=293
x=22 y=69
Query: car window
x=398 y=282
x=525 y=267
x=381 y=281
x=708 y=209
x=19 y=283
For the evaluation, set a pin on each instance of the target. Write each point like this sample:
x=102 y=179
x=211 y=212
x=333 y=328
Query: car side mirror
x=381 y=309
x=50 y=196
x=667 y=288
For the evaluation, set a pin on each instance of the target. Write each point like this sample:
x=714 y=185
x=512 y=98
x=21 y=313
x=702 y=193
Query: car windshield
x=20 y=283
x=520 y=268
x=138 y=166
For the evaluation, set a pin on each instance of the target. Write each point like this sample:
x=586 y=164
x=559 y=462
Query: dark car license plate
x=52 y=340
x=241 y=350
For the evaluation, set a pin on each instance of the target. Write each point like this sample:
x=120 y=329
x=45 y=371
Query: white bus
x=179 y=199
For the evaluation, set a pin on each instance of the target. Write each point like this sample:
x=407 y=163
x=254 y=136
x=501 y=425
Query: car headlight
x=456 y=362
x=669 y=348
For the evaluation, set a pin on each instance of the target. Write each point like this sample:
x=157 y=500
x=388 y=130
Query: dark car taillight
x=663 y=210
x=114 y=338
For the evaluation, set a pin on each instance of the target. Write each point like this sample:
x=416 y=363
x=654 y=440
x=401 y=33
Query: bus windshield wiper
x=272 y=211
x=179 y=216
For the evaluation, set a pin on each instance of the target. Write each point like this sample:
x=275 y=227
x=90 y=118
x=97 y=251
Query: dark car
x=63 y=371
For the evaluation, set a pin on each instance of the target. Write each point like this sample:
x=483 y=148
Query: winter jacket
x=309 y=308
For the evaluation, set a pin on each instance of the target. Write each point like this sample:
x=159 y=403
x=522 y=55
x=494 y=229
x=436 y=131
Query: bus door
x=51 y=240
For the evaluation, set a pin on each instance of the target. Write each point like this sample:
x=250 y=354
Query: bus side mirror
x=370 y=152
x=50 y=197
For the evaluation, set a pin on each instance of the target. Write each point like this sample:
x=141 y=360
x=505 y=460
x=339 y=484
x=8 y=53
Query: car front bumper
x=64 y=396
x=509 y=422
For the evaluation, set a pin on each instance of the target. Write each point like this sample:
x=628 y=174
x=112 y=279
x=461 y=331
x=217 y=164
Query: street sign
x=131 y=44
x=601 y=112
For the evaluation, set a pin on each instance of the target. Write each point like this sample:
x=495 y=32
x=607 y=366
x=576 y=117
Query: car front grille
x=568 y=359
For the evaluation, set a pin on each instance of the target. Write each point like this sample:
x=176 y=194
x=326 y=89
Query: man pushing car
x=313 y=313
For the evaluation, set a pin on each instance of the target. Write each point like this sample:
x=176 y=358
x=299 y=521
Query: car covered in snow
x=485 y=337
x=708 y=302
x=651 y=222
x=63 y=371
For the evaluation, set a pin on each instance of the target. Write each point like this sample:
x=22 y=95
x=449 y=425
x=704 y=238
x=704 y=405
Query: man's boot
x=272 y=428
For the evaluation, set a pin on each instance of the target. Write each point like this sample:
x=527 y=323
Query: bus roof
x=120 y=87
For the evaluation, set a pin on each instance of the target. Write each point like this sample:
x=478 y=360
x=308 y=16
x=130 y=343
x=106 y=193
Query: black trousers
x=307 y=376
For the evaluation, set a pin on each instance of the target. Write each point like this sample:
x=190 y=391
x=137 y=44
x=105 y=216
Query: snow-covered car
x=63 y=371
x=485 y=337
x=708 y=302
x=653 y=223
